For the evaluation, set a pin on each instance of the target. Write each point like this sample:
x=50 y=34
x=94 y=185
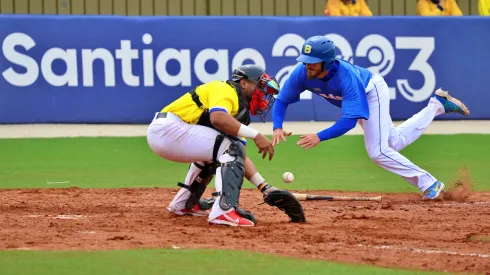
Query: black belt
x=162 y=115
x=195 y=98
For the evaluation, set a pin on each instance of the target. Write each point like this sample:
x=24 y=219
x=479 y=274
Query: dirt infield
x=401 y=231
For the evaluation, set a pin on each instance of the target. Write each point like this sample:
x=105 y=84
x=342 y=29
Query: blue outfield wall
x=113 y=69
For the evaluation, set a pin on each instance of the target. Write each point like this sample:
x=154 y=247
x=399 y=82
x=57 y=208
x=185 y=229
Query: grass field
x=163 y=261
x=340 y=164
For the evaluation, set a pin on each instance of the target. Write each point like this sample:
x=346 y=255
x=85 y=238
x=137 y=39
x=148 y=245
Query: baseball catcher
x=207 y=128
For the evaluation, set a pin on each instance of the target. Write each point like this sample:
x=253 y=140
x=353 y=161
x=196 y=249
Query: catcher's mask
x=265 y=88
x=263 y=96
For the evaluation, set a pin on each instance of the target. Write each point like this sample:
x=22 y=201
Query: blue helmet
x=318 y=49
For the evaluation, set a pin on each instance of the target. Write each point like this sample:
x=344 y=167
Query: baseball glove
x=287 y=202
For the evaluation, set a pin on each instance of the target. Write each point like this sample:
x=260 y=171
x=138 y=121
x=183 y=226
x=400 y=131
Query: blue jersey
x=344 y=86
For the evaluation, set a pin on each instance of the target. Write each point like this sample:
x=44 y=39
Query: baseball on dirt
x=287 y=177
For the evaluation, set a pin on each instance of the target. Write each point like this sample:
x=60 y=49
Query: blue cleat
x=451 y=104
x=433 y=191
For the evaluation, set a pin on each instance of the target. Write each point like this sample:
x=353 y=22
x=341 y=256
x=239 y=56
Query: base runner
x=363 y=97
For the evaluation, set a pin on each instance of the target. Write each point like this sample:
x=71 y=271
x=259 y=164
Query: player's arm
x=289 y=94
x=227 y=124
x=220 y=106
x=253 y=175
x=341 y=127
x=354 y=107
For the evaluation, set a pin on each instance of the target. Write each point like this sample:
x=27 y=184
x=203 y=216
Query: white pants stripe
x=383 y=140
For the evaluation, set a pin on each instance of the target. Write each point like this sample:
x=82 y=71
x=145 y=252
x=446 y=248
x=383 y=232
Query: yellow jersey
x=339 y=8
x=484 y=7
x=428 y=8
x=214 y=96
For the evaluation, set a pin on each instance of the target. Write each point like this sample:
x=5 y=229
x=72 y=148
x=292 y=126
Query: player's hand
x=278 y=135
x=264 y=145
x=308 y=141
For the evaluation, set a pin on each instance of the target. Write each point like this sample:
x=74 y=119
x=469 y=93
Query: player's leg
x=177 y=141
x=412 y=128
x=174 y=140
x=376 y=134
x=229 y=180
x=188 y=200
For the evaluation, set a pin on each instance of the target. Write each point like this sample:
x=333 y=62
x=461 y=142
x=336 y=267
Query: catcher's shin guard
x=198 y=186
x=232 y=173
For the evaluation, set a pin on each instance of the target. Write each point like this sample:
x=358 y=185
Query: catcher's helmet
x=250 y=71
x=265 y=88
x=318 y=49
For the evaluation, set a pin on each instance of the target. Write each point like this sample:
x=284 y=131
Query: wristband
x=247 y=132
x=258 y=180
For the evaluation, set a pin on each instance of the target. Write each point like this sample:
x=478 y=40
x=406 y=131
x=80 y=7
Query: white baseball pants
x=178 y=141
x=383 y=140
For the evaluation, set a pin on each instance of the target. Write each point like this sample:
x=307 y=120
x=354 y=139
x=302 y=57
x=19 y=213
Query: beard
x=313 y=74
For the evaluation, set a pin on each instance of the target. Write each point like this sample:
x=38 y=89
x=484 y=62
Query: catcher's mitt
x=287 y=202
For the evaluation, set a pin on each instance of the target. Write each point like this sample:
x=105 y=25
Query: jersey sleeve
x=354 y=99
x=289 y=94
x=223 y=98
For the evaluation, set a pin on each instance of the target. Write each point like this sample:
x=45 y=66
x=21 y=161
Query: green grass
x=163 y=261
x=339 y=164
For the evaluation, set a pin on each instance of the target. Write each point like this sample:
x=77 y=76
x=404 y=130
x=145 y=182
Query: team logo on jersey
x=330 y=96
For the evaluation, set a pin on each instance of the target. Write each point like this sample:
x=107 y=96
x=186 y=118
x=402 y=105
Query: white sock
x=183 y=195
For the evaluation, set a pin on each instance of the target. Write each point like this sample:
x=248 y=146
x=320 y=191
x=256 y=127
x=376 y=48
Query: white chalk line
x=425 y=251
x=87 y=232
x=57 y=182
x=416 y=250
x=61 y=217
x=449 y=204
x=428 y=205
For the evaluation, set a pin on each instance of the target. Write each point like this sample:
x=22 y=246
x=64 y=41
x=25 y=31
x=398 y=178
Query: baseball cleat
x=451 y=104
x=195 y=211
x=434 y=191
x=232 y=218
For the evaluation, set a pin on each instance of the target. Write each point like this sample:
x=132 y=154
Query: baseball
x=287 y=177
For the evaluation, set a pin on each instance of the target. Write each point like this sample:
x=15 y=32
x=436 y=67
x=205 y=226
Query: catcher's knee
x=232 y=173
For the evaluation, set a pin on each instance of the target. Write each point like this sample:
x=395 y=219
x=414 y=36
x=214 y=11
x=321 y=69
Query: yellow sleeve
x=455 y=11
x=365 y=9
x=484 y=7
x=423 y=8
x=223 y=98
x=333 y=7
